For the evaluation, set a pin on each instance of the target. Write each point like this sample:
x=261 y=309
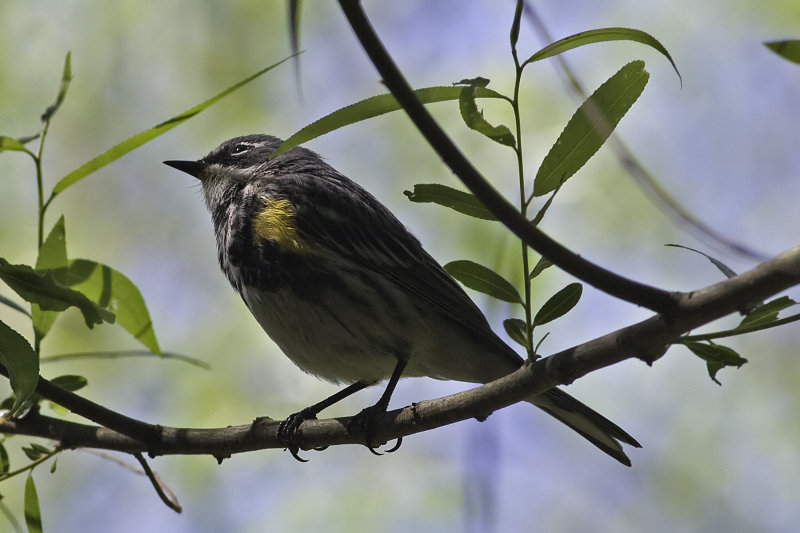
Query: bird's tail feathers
x=593 y=426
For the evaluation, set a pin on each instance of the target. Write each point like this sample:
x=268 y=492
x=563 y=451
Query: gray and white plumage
x=344 y=289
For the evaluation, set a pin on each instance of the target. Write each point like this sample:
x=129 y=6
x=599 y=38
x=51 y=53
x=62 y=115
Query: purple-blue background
x=714 y=458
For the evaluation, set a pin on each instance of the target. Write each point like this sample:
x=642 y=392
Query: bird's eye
x=240 y=149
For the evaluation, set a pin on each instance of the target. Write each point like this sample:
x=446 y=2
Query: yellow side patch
x=275 y=223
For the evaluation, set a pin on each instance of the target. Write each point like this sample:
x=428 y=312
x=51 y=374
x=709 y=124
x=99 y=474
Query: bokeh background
x=714 y=458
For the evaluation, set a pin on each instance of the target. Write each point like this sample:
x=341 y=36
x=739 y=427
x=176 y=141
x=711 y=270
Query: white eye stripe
x=243 y=147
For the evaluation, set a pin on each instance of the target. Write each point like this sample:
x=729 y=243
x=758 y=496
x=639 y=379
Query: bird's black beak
x=193 y=168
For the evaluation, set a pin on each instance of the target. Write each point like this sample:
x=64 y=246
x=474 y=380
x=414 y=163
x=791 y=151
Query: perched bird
x=343 y=288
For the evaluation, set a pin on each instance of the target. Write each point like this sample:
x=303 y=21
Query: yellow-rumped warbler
x=345 y=290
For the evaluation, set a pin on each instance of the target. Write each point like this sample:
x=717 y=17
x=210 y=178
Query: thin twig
x=169 y=499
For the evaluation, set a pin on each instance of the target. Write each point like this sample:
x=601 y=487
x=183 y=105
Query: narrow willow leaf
x=294 y=26
x=370 y=108
x=17 y=355
x=515 y=328
x=112 y=290
x=725 y=269
x=473 y=117
x=52 y=255
x=514 y=34
x=66 y=78
x=131 y=143
x=766 y=313
x=294 y=9
x=9 y=143
x=559 y=304
x=5 y=462
x=33 y=516
x=716 y=357
x=482 y=279
x=590 y=126
x=602 y=35
x=788 y=49
x=541 y=265
x=43 y=289
x=463 y=202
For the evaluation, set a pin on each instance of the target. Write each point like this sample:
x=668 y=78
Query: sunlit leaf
x=479 y=278
x=601 y=35
x=9 y=143
x=112 y=290
x=143 y=137
x=33 y=516
x=17 y=355
x=559 y=304
x=716 y=357
x=43 y=289
x=460 y=201
x=590 y=126
x=788 y=49
x=52 y=255
x=373 y=107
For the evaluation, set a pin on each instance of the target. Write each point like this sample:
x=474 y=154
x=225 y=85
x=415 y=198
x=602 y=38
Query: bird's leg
x=287 y=430
x=366 y=417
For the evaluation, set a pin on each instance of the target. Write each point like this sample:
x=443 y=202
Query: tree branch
x=632 y=291
x=647 y=340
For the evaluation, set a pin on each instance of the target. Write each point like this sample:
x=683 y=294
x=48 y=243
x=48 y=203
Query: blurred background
x=714 y=458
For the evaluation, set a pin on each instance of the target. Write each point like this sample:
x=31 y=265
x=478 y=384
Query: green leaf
x=473 y=117
x=463 y=202
x=541 y=265
x=43 y=289
x=716 y=357
x=17 y=355
x=9 y=143
x=590 y=126
x=514 y=33
x=515 y=328
x=601 y=35
x=766 y=313
x=143 y=137
x=112 y=290
x=70 y=382
x=788 y=49
x=5 y=462
x=370 y=108
x=66 y=78
x=52 y=255
x=725 y=269
x=559 y=304
x=479 y=278
x=33 y=516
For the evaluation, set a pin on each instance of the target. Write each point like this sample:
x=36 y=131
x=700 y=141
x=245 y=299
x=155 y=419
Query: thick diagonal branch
x=646 y=340
x=632 y=291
